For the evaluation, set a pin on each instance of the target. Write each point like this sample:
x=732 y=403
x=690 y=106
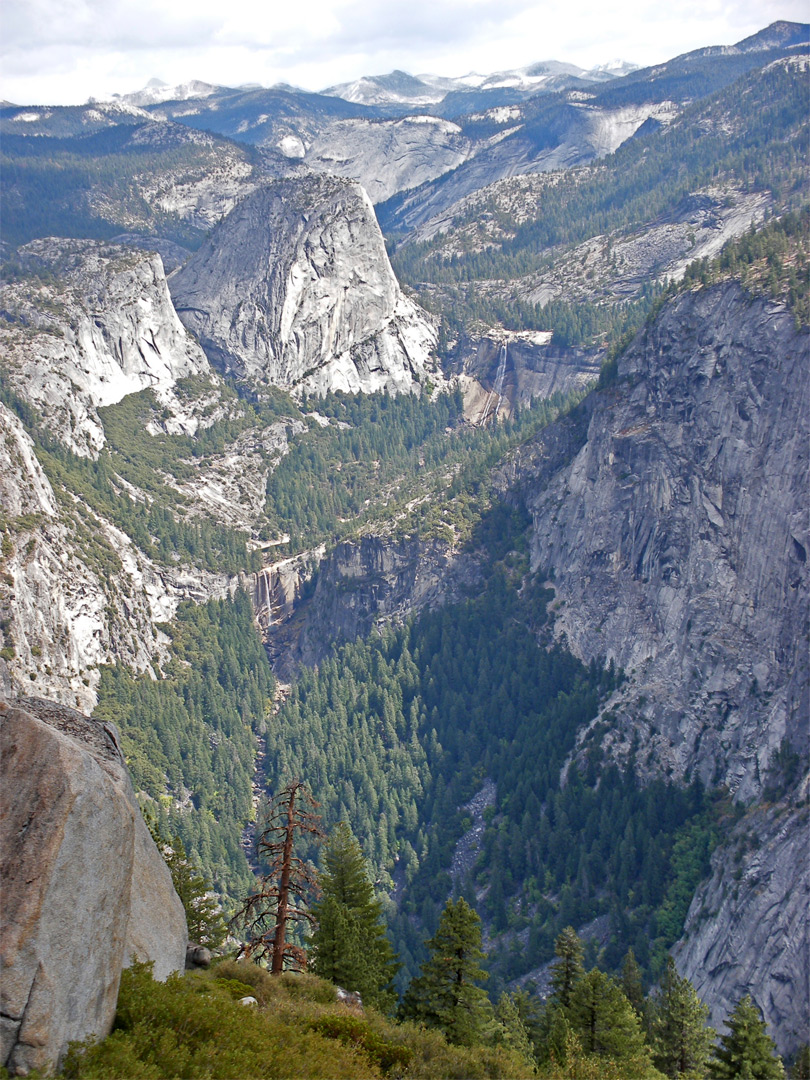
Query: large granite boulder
x=85 y=890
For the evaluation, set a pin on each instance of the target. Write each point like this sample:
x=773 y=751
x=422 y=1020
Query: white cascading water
x=497 y=391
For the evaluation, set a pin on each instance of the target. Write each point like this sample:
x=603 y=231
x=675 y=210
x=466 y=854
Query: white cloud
x=61 y=51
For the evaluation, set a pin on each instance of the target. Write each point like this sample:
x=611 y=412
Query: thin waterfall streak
x=497 y=390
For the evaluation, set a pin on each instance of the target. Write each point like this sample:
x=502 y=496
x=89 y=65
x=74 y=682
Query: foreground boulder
x=85 y=891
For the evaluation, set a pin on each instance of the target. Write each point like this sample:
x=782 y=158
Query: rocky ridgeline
x=85 y=890
x=90 y=324
x=295 y=289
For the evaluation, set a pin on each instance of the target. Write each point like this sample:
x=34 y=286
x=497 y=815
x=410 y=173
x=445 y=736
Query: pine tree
x=513 y=1031
x=747 y=1051
x=682 y=1043
x=567 y=971
x=284 y=890
x=605 y=1021
x=349 y=943
x=632 y=986
x=445 y=994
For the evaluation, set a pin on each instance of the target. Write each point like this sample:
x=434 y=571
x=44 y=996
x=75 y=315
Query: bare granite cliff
x=747 y=925
x=85 y=890
x=671 y=518
x=75 y=591
x=308 y=604
x=84 y=325
x=294 y=288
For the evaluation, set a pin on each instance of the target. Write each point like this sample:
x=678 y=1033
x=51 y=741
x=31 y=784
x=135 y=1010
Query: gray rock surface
x=93 y=323
x=359 y=584
x=532 y=367
x=387 y=156
x=62 y=613
x=678 y=538
x=670 y=513
x=748 y=927
x=295 y=289
x=83 y=890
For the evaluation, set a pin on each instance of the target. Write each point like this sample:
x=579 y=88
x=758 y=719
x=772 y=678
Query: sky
x=61 y=52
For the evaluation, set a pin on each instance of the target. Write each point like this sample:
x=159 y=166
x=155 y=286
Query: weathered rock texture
x=747 y=925
x=84 y=888
x=521 y=366
x=671 y=514
x=306 y=605
x=75 y=592
x=91 y=324
x=678 y=537
x=295 y=289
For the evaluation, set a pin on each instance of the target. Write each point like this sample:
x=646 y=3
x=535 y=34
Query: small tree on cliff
x=204 y=920
x=287 y=886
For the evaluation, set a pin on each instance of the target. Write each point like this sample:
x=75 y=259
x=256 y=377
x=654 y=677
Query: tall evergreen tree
x=606 y=1023
x=747 y=1051
x=682 y=1043
x=632 y=986
x=349 y=943
x=568 y=970
x=445 y=994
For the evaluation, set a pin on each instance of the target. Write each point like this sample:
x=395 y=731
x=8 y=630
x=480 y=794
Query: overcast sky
x=64 y=51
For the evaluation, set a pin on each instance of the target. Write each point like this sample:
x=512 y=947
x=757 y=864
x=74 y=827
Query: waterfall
x=497 y=391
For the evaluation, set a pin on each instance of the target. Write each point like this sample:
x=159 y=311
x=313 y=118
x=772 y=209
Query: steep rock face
x=671 y=512
x=84 y=887
x=295 y=289
x=521 y=366
x=306 y=605
x=678 y=537
x=89 y=325
x=75 y=592
x=747 y=925
x=387 y=156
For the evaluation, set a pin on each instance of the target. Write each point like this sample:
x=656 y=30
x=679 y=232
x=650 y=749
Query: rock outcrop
x=518 y=367
x=85 y=325
x=295 y=289
x=85 y=890
x=75 y=591
x=307 y=604
x=670 y=514
x=747 y=925
x=678 y=537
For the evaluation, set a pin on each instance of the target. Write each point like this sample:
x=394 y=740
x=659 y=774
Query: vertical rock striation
x=675 y=531
x=678 y=537
x=295 y=289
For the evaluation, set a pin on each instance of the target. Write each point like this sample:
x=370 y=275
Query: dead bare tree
x=286 y=887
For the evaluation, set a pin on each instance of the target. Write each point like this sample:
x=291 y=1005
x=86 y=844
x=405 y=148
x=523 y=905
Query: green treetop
x=567 y=971
x=206 y=925
x=682 y=1043
x=606 y=1023
x=445 y=994
x=349 y=943
x=747 y=1051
